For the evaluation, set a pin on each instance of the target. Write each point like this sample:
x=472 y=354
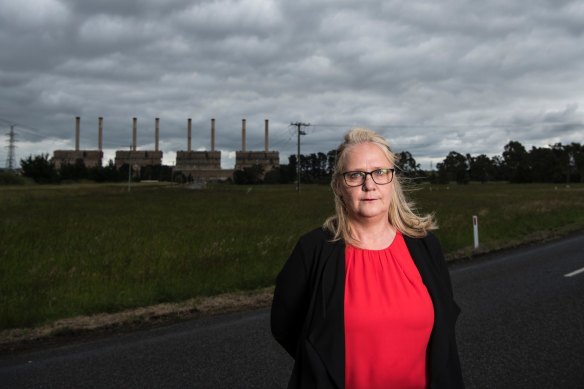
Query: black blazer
x=307 y=316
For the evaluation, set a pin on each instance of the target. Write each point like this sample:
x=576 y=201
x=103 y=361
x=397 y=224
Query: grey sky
x=431 y=76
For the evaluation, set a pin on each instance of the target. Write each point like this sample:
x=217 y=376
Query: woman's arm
x=290 y=301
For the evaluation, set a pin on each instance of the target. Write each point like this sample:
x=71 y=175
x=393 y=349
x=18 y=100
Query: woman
x=366 y=300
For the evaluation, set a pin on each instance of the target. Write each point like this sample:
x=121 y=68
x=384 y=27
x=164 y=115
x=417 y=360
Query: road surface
x=522 y=326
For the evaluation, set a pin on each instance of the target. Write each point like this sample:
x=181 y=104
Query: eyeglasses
x=379 y=176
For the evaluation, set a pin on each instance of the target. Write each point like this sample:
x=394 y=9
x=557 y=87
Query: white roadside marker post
x=475 y=227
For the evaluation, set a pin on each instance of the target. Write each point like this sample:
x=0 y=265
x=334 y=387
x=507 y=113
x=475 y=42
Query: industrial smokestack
x=212 y=134
x=100 y=133
x=77 y=131
x=189 y=133
x=156 y=133
x=266 y=143
x=242 y=134
x=134 y=133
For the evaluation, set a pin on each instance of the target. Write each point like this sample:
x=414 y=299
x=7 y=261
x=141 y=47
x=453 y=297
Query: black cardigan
x=307 y=312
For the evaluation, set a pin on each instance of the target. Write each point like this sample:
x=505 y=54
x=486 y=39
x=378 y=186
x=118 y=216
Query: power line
x=25 y=128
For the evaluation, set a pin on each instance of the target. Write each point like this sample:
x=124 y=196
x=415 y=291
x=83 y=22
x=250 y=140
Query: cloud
x=432 y=77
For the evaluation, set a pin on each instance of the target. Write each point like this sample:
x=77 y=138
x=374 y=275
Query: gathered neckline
x=378 y=250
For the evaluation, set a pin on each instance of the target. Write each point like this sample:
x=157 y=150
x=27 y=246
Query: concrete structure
x=90 y=158
x=200 y=165
x=266 y=159
x=190 y=165
x=140 y=158
x=198 y=160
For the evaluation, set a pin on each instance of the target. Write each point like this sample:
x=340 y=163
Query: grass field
x=83 y=249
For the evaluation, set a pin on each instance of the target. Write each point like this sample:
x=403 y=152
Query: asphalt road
x=522 y=326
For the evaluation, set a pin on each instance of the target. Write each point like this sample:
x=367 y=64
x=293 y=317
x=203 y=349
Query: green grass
x=508 y=214
x=82 y=249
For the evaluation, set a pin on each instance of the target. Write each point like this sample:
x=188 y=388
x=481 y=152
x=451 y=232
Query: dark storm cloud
x=431 y=76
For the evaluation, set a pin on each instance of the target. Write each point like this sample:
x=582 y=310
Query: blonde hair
x=402 y=212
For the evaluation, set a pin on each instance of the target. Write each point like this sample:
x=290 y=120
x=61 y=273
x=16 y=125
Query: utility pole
x=299 y=126
x=10 y=147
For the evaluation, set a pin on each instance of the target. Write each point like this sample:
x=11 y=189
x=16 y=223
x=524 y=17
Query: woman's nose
x=368 y=184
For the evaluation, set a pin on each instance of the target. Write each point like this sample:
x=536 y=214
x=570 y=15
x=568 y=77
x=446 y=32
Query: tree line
x=557 y=163
x=43 y=171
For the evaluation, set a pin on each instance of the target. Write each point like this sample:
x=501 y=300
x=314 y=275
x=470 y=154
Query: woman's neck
x=372 y=235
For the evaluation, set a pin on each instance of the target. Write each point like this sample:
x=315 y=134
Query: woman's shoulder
x=317 y=236
x=430 y=240
x=426 y=236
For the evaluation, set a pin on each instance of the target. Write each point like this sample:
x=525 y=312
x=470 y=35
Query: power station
x=192 y=165
x=200 y=165
x=90 y=158
x=140 y=158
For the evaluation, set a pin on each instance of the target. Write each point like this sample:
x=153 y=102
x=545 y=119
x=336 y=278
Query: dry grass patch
x=14 y=339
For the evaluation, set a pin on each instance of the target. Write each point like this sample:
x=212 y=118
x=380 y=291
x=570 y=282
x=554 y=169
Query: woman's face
x=370 y=200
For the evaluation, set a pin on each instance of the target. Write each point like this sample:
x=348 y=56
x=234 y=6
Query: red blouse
x=388 y=319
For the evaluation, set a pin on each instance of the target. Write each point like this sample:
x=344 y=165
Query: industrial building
x=90 y=158
x=200 y=165
x=190 y=165
x=268 y=160
x=140 y=158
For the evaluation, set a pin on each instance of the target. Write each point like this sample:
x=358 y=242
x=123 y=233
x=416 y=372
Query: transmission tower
x=299 y=126
x=11 y=146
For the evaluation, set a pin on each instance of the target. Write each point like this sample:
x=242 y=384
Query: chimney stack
x=100 y=133
x=156 y=133
x=77 y=130
x=189 y=133
x=266 y=144
x=212 y=134
x=242 y=134
x=134 y=133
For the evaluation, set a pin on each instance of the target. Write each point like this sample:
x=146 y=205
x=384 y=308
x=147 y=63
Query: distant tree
x=331 y=158
x=498 y=164
x=39 y=168
x=565 y=158
x=322 y=175
x=318 y=167
x=286 y=174
x=307 y=163
x=481 y=168
x=157 y=173
x=577 y=151
x=249 y=175
x=441 y=176
x=516 y=164
x=544 y=165
x=454 y=167
x=407 y=165
x=180 y=178
x=293 y=166
x=75 y=171
x=165 y=173
x=273 y=176
x=107 y=173
x=125 y=170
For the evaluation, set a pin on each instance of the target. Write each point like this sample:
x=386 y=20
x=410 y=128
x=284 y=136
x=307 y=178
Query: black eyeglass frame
x=365 y=174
